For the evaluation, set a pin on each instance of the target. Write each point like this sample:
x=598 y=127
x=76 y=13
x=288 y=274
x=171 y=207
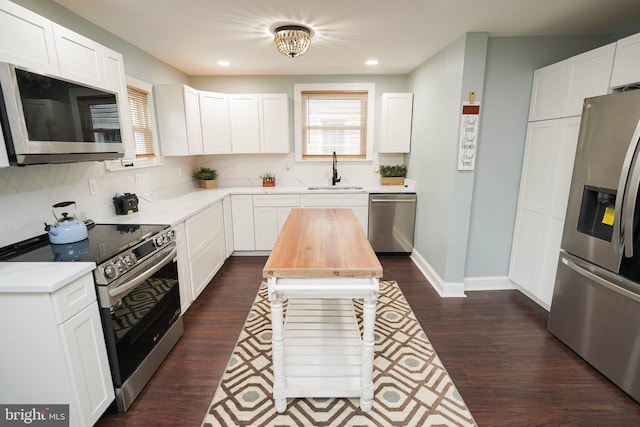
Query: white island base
x=318 y=350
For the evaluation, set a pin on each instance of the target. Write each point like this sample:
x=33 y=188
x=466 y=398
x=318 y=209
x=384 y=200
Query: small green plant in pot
x=392 y=174
x=206 y=177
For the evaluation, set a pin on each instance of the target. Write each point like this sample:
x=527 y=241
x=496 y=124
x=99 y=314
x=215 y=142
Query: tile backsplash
x=27 y=193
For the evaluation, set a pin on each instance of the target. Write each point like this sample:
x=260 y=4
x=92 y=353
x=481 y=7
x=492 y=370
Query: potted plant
x=268 y=180
x=206 y=177
x=392 y=174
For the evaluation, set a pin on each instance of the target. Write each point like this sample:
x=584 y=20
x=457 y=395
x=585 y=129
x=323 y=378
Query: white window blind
x=334 y=120
x=140 y=121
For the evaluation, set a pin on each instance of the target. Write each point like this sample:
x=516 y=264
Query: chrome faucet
x=335 y=178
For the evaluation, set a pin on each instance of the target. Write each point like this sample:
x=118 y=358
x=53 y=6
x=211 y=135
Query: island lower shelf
x=322 y=349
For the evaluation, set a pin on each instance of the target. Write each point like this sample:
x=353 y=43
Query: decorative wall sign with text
x=468 y=136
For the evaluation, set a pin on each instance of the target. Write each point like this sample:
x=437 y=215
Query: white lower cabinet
x=243 y=231
x=58 y=353
x=269 y=214
x=544 y=190
x=228 y=225
x=205 y=246
x=184 y=269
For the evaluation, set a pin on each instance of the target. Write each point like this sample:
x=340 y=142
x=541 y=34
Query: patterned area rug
x=411 y=386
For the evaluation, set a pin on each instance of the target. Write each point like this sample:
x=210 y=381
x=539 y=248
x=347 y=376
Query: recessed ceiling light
x=224 y=63
x=371 y=62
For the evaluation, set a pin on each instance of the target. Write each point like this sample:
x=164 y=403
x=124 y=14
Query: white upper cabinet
x=192 y=115
x=245 y=123
x=214 y=116
x=116 y=81
x=274 y=123
x=397 y=109
x=259 y=123
x=80 y=59
x=178 y=119
x=560 y=89
x=26 y=39
x=626 y=66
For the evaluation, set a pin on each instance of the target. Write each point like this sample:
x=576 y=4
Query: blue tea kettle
x=67 y=229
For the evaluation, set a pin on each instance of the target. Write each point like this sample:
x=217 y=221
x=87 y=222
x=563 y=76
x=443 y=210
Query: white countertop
x=30 y=277
x=49 y=277
x=174 y=210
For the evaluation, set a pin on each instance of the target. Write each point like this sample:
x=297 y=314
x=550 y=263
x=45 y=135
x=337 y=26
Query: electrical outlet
x=179 y=172
x=136 y=178
x=93 y=187
x=237 y=167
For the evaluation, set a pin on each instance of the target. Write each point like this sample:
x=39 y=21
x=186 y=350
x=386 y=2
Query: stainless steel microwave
x=46 y=119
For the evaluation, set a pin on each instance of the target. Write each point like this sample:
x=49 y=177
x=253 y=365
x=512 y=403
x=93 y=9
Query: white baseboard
x=444 y=289
x=458 y=289
x=488 y=283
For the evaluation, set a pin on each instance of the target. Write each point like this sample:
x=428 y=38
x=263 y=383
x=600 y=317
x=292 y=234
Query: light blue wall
x=440 y=85
x=505 y=108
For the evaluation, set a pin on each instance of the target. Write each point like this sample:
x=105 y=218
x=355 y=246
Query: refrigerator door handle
x=629 y=203
x=600 y=281
x=618 y=223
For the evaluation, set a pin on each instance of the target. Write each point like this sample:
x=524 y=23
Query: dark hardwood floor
x=509 y=370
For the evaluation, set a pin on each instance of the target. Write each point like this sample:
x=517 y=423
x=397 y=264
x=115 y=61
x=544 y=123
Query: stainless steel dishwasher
x=392 y=218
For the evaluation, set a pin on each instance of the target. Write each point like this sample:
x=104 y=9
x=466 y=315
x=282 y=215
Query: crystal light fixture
x=292 y=40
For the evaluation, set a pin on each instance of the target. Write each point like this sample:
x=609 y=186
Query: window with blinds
x=140 y=121
x=334 y=120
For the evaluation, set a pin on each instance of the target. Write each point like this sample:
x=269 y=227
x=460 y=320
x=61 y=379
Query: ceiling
x=192 y=35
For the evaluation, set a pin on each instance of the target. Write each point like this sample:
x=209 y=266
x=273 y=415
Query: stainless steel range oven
x=138 y=293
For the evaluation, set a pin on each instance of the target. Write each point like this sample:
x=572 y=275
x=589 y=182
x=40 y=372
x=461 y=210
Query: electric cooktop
x=104 y=242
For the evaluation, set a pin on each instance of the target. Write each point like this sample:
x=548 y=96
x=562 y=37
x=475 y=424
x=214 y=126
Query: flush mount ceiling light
x=292 y=40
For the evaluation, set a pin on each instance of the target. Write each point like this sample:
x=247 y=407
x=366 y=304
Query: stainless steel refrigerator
x=596 y=300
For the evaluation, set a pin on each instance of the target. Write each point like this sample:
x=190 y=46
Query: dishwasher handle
x=393 y=200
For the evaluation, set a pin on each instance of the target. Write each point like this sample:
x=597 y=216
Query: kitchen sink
x=335 y=187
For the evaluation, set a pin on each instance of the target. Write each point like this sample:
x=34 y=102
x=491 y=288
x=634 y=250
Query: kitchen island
x=321 y=261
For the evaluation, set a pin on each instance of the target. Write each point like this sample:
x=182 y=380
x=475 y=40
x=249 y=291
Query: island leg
x=277 y=343
x=368 y=325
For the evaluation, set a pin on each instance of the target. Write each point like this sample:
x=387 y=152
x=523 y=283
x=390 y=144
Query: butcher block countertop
x=322 y=243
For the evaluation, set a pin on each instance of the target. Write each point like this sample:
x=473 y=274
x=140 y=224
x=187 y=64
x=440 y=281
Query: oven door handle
x=135 y=281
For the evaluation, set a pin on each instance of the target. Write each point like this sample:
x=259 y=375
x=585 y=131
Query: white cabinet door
x=214 y=117
x=560 y=89
x=87 y=363
x=80 y=59
x=544 y=191
x=274 y=123
x=228 y=225
x=26 y=39
x=184 y=269
x=397 y=110
x=243 y=231
x=265 y=219
x=626 y=65
x=206 y=264
x=547 y=92
x=588 y=75
x=192 y=115
x=178 y=119
x=245 y=125
x=117 y=81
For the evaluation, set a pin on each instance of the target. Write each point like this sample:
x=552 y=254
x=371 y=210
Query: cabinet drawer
x=73 y=298
x=276 y=200
x=203 y=227
x=335 y=200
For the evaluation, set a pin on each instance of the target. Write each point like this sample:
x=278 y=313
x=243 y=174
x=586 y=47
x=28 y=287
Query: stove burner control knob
x=120 y=266
x=110 y=271
x=159 y=241
x=129 y=260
